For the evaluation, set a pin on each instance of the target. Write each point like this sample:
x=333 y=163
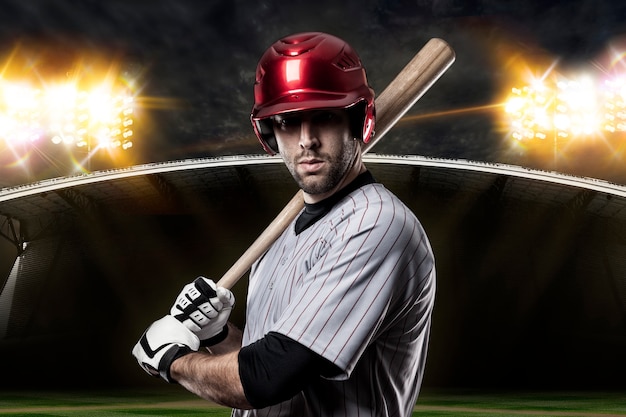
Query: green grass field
x=174 y=401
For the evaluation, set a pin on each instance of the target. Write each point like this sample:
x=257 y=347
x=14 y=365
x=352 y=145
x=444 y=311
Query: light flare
x=73 y=107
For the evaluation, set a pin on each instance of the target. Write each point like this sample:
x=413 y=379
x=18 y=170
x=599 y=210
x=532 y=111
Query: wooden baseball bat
x=409 y=86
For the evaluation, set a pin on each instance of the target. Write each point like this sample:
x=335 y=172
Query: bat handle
x=263 y=242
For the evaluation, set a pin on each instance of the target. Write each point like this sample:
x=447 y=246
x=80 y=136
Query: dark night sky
x=200 y=56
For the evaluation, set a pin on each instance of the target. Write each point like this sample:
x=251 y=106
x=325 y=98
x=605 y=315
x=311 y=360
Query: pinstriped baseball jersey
x=357 y=287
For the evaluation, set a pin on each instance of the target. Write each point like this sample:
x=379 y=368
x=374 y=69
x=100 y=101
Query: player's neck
x=313 y=212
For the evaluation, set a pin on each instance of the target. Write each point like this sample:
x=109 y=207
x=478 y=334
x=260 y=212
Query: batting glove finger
x=163 y=342
x=204 y=308
x=197 y=304
x=217 y=329
x=224 y=299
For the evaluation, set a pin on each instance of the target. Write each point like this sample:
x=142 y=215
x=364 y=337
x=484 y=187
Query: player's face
x=318 y=149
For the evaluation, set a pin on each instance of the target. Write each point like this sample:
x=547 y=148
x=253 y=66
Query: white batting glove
x=163 y=342
x=204 y=308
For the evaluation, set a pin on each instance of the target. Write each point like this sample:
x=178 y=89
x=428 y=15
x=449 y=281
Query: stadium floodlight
x=65 y=114
x=578 y=104
x=529 y=110
x=614 y=93
x=566 y=108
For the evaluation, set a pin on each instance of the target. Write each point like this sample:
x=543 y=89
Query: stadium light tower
x=560 y=109
x=65 y=114
x=533 y=115
x=614 y=94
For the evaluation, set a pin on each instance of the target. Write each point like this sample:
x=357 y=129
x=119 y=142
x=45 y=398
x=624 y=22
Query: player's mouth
x=311 y=165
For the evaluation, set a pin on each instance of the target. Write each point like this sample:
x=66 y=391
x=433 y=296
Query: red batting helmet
x=309 y=71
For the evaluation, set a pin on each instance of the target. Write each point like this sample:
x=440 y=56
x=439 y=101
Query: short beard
x=338 y=170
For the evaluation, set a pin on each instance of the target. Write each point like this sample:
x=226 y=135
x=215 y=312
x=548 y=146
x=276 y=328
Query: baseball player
x=339 y=308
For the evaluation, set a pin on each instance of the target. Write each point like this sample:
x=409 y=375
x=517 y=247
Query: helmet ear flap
x=265 y=132
x=362 y=116
x=369 y=122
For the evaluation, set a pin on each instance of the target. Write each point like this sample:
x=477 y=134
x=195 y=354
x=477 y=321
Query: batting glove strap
x=163 y=342
x=218 y=338
x=170 y=353
x=170 y=356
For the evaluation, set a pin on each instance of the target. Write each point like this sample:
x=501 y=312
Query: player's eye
x=286 y=122
x=325 y=117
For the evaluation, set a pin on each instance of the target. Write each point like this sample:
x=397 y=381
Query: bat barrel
x=410 y=85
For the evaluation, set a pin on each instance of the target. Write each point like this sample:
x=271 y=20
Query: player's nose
x=308 y=135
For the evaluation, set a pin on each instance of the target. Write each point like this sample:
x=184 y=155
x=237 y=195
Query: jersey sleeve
x=355 y=287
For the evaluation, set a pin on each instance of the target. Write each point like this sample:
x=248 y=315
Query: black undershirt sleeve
x=276 y=368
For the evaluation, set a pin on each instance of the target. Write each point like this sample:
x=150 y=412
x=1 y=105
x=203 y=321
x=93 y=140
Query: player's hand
x=204 y=308
x=163 y=342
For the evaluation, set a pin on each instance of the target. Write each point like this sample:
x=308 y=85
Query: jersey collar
x=315 y=211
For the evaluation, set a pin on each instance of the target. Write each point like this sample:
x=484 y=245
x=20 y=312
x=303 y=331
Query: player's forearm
x=212 y=377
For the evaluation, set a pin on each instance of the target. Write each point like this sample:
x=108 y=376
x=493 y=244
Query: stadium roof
x=149 y=188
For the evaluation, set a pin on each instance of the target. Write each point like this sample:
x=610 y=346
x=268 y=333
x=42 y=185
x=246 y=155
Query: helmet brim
x=302 y=101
